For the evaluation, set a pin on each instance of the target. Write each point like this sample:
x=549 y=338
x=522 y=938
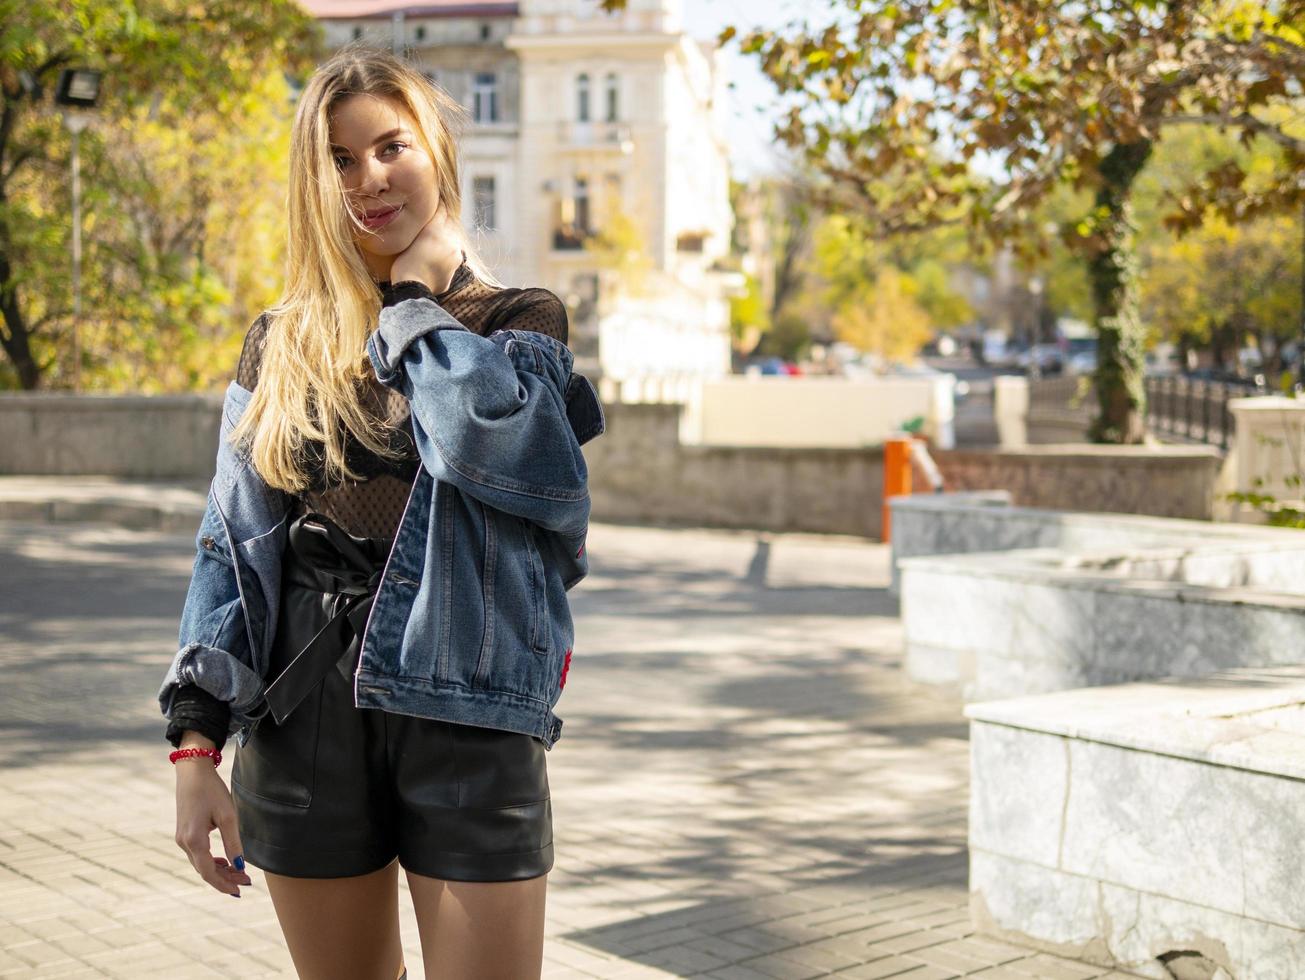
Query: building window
x=582 y=98
x=484 y=97
x=482 y=198
x=582 y=205
x=357 y=33
x=690 y=241
x=420 y=33
x=611 y=195
x=484 y=32
x=613 y=98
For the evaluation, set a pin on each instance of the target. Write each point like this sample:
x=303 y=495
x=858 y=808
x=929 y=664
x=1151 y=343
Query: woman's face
x=388 y=179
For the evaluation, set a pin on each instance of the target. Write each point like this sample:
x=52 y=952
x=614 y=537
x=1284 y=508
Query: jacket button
x=207 y=541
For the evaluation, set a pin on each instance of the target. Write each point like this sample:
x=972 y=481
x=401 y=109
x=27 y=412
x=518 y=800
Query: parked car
x=997 y=350
x=941 y=345
x=1081 y=355
x=1084 y=362
x=1045 y=357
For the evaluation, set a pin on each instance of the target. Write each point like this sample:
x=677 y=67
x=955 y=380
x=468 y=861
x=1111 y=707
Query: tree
x=1218 y=285
x=879 y=305
x=904 y=105
x=1225 y=285
x=155 y=183
x=884 y=317
x=777 y=208
x=620 y=249
x=749 y=318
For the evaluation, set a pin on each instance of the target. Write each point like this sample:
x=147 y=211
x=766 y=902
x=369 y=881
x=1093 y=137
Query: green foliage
x=620 y=247
x=748 y=313
x=789 y=336
x=1278 y=513
x=183 y=185
x=886 y=299
x=1220 y=281
x=884 y=317
x=945 y=308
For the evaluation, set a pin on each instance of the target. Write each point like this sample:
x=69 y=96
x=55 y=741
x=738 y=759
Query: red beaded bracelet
x=188 y=753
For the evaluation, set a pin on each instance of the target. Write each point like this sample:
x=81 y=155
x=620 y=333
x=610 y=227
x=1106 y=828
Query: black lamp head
x=78 y=87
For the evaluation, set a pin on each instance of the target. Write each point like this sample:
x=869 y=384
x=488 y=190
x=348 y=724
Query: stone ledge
x=141 y=505
x=1140 y=824
x=1248 y=718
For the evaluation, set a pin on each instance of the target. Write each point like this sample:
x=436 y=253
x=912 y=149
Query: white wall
x=815 y=411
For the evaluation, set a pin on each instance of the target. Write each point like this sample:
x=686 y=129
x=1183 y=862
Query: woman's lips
x=381 y=220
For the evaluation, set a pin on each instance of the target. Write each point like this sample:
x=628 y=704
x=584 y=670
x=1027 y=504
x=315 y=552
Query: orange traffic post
x=897 y=477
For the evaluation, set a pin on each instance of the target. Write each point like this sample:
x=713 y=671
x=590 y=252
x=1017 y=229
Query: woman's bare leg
x=341 y=928
x=480 y=930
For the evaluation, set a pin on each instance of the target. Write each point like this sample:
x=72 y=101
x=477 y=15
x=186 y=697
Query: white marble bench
x=985 y=521
x=1008 y=623
x=1152 y=827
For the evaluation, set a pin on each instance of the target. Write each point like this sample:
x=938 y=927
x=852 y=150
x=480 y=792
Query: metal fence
x=1191 y=409
x=1195 y=409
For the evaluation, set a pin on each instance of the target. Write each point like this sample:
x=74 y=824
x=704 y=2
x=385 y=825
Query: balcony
x=603 y=136
x=568 y=238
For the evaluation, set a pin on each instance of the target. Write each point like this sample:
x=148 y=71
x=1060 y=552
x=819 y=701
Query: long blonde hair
x=314 y=357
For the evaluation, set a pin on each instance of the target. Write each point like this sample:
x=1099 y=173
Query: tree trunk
x=1112 y=272
x=1220 y=341
x=16 y=341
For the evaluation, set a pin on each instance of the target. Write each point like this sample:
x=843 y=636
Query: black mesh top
x=373 y=506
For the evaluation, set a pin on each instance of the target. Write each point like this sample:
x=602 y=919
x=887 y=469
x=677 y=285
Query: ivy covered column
x=1112 y=272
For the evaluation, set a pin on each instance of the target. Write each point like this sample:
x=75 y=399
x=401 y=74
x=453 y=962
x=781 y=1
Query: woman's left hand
x=432 y=257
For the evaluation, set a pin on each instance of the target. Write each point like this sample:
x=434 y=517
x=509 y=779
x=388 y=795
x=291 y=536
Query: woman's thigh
x=480 y=930
x=341 y=928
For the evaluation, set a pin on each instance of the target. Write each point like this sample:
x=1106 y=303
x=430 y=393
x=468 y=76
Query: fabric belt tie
x=332 y=552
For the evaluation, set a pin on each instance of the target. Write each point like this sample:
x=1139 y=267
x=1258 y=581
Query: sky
x=750 y=116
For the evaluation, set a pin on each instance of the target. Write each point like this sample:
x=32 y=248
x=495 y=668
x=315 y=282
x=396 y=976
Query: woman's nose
x=373 y=179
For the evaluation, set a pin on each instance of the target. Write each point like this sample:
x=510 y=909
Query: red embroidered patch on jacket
x=566 y=664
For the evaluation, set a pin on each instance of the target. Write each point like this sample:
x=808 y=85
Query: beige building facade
x=587 y=128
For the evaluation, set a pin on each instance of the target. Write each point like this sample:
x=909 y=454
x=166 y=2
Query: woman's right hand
x=204 y=804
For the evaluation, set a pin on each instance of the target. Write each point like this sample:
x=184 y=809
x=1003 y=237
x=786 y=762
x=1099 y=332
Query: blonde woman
x=378 y=605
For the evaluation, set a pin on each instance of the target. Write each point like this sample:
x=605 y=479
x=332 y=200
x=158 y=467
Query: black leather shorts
x=337 y=790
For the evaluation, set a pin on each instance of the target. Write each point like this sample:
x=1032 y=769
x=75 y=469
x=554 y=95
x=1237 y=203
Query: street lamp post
x=78 y=88
x=1300 y=340
x=1035 y=290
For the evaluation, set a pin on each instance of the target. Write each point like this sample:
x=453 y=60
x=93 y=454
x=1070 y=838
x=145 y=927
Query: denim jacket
x=471 y=622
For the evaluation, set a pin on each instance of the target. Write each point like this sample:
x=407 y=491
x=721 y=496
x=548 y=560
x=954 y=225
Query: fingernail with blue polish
x=239 y=862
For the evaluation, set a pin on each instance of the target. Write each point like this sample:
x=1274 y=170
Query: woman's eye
x=342 y=162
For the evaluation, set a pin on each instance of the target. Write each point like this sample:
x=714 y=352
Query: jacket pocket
x=540 y=627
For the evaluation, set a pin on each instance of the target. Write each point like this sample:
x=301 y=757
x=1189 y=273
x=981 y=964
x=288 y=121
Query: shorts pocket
x=279 y=762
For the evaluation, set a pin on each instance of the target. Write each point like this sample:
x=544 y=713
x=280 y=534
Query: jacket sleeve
x=195 y=710
x=489 y=414
x=214 y=651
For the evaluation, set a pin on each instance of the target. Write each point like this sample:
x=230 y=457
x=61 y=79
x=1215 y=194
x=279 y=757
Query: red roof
x=353 y=9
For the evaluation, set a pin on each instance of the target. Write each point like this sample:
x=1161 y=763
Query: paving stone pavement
x=745 y=787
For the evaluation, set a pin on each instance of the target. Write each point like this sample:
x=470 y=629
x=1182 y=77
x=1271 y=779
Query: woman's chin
x=386 y=246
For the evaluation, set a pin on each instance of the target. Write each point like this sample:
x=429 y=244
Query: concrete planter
x=1153 y=828
x=1005 y=624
